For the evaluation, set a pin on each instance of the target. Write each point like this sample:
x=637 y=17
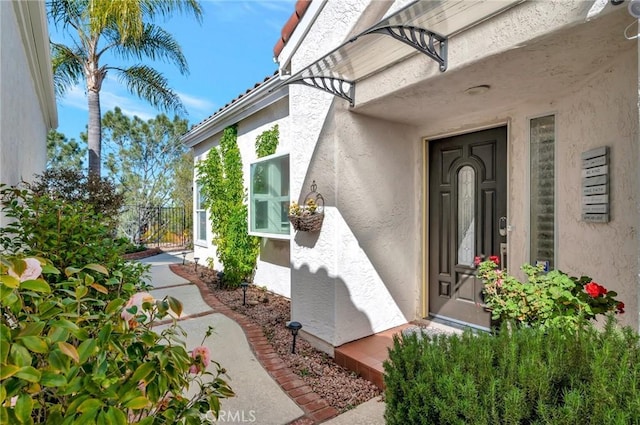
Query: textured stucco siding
x=360 y=274
x=363 y=272
x=593 y=108
x=23 y=130
x=273 y=263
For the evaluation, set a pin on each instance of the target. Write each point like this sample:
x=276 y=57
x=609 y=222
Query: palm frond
x=154 y=43
x=126 y=15
x=66 y=12
x=166 y=8
x=67 y=67
x=151 y=85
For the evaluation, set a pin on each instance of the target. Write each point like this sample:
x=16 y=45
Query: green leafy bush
x=74 y=186
x=65 y=232
x=69 y=357
x=544 y=299
x=519 y=376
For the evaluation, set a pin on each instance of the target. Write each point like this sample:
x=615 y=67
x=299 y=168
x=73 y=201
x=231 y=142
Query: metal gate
x=161 y=227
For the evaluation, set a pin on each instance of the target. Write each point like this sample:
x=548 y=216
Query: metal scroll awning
x=423 y=26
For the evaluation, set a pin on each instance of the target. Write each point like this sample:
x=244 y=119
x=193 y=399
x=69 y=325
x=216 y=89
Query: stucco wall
x=363 y=274
x=360 y=274
x=603 y=112
x=598 y=107
x=23 y=129
x=273 y=263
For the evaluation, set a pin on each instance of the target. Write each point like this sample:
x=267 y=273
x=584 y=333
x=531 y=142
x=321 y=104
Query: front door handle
x=502 y=226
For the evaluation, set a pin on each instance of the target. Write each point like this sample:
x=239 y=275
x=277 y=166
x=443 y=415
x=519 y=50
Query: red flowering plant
x=544 y=299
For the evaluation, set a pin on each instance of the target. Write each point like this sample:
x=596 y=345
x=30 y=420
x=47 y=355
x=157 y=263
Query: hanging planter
x=308 y=216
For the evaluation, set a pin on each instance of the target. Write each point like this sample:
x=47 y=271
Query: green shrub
x=518 y=376
x=65 y=232
x=68 y=357
x=544 y=299
x=74 y=186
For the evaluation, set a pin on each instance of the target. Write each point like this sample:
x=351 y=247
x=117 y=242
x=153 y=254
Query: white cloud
x=76 y=97
x=130 y=107
x=199 y=104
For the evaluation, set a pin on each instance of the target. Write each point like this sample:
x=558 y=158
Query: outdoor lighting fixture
x=196 y=261
x=244 y=292
x=294 y=327
x=473 y=91
x=220 y=278
x=184 y=257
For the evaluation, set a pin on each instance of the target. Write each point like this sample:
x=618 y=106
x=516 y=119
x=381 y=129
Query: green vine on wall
x=221 y=180
x=220 y=177
x=267 y=142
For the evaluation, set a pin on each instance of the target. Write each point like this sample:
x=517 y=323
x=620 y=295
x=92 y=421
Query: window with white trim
x=542 y=189
x=269 y=197
x=201 y=217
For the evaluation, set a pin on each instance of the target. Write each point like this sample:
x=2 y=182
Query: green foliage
x=182 y=192
x=64 y=231
x=64 y=153
x=519 y=376
x=545 y=299
x=74 y=352
x=125 y=31
x=142 y=156
x=220 y=176
x=71 y=185
x=267 y=142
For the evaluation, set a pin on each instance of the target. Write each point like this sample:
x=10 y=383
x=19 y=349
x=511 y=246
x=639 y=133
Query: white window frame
x=555 y=187
x=284 y=198
x=198 y=211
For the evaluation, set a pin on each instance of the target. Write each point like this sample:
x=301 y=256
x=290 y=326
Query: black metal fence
x=165 y=227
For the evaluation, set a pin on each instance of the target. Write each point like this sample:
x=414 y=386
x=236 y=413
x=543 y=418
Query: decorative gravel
x=341 y=388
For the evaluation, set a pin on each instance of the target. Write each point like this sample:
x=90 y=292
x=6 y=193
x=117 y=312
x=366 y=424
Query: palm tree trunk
x=94 y=133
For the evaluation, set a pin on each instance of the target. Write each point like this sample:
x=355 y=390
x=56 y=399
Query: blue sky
x=227 y=54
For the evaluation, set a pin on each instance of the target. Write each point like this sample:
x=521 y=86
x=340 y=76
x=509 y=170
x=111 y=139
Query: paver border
x=316 y=409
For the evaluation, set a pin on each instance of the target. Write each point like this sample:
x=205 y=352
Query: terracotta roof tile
x=290 y=25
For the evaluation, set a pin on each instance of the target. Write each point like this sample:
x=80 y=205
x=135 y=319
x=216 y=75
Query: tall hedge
x=524 y=376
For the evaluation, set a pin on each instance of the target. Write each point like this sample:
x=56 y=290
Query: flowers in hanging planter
x=307 y=217
x=544 y=299
x=308 y=208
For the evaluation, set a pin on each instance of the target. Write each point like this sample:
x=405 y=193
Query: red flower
x=620 y=308
x=495 y=259
x=477 y=261
x=594 y=289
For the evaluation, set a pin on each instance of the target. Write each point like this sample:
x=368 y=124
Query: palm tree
x=123 y=29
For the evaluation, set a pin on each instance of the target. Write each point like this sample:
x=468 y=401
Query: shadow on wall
x=307 y=239
x=323 y=305
x=275 y=251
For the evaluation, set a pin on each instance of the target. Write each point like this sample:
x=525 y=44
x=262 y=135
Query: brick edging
x=316 y=408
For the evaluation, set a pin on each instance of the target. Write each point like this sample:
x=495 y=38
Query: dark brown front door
x=467 y=199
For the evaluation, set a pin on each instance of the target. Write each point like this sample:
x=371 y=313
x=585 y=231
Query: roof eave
x=263 y=96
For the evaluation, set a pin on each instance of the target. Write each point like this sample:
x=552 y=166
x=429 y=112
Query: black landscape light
x=184 y=257
x=220 y=279
x=244 y=292
x=294 y=327
x=196 y=261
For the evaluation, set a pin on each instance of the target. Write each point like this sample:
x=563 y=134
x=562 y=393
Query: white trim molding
x=32 y=21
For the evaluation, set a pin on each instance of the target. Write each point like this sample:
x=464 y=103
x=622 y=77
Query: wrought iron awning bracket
x=420 y=39
x=332 y=85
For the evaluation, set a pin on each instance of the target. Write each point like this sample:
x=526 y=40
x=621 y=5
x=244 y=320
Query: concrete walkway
x=260 y=398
